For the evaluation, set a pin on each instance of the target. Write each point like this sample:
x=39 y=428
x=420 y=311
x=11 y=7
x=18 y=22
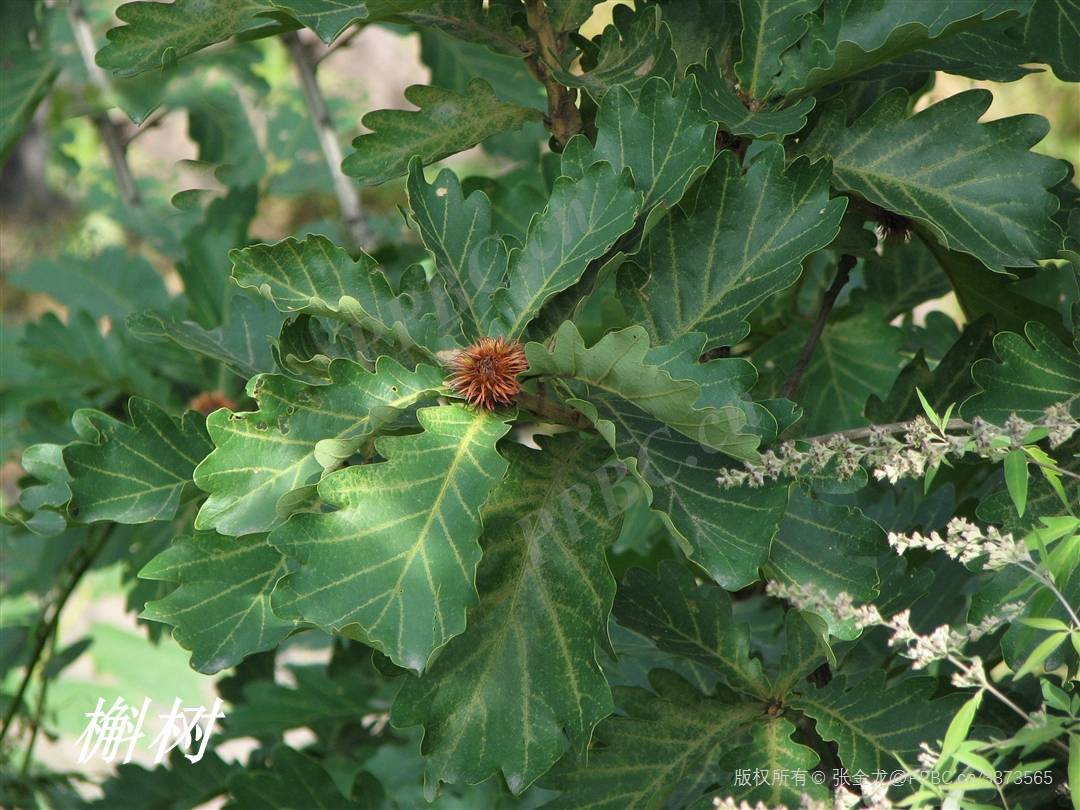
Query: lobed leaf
x=262 y=456
x=975 y=186
x=157 y=34
x=445 y=123
x=132 y=473
x=395 y=564
x=708 y=264
x=582 y=220
x=769 y=27
x=317 y=277
x=692 y=621
x=526 y=670
x=1033 y=374
x=220 y=609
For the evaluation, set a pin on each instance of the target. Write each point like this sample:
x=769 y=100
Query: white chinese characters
x=119 y=729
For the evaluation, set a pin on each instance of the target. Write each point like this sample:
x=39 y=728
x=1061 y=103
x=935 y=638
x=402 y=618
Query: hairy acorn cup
x=486 y=372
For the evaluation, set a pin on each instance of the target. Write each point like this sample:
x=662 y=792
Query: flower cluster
x=806 y=596
x=904 y=450
x=965 y=542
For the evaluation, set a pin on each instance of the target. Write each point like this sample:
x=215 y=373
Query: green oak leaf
x=933 y=167
x=293 y=780
x=804 y=651
x=241 y=344
x=616 y=367
x=27 y=76
x=665 y=741
x=445 y=123
x=665 y=140
x=329 y=18
x=132 y=473
x=772 y=749
x=723 y=105
x=856 y=356
x=830 y=547
x=457 y=231
x=526 y=669
x=395 y=564
x=693 y=621
x=299 y=430
x=769 y=27
x=1033 y=374
x=902 y=276
x=878 y=728
x=949 y=383
x=582 y=220
x=568 y=15
x=220 y=609
x=157 y=34
x=634 y=47
x=270 y=709
x=707 y=269
x=40 y=500
x=980 y=293
x=726 y=532
x=852 y=37
x=113 y=283
x=317 y=277
x=1049 y=33
x=136 y=786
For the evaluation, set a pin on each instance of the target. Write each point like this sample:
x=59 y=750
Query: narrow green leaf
x=133 y=473
x=1042 y=651
x=220 y=608
x=1044 y=624
x=917 y=165
x=261 y=456
x=959 y=726
x=582 y=220
x=1016 y=479
x=445 y=123
x=526 y=669
x=928 y=409
x=395 y=564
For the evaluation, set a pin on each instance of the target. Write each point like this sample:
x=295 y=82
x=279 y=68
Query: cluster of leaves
x=557 y=597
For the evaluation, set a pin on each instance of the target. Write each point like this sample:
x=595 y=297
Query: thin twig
x=39 y=709
x=843 y=271
x=80 y=562
x=564 y=118
x=108 y=129
x=551 y=411
x=345 y=189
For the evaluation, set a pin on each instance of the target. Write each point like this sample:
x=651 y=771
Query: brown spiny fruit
x=486 y=372
x=209 y=401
